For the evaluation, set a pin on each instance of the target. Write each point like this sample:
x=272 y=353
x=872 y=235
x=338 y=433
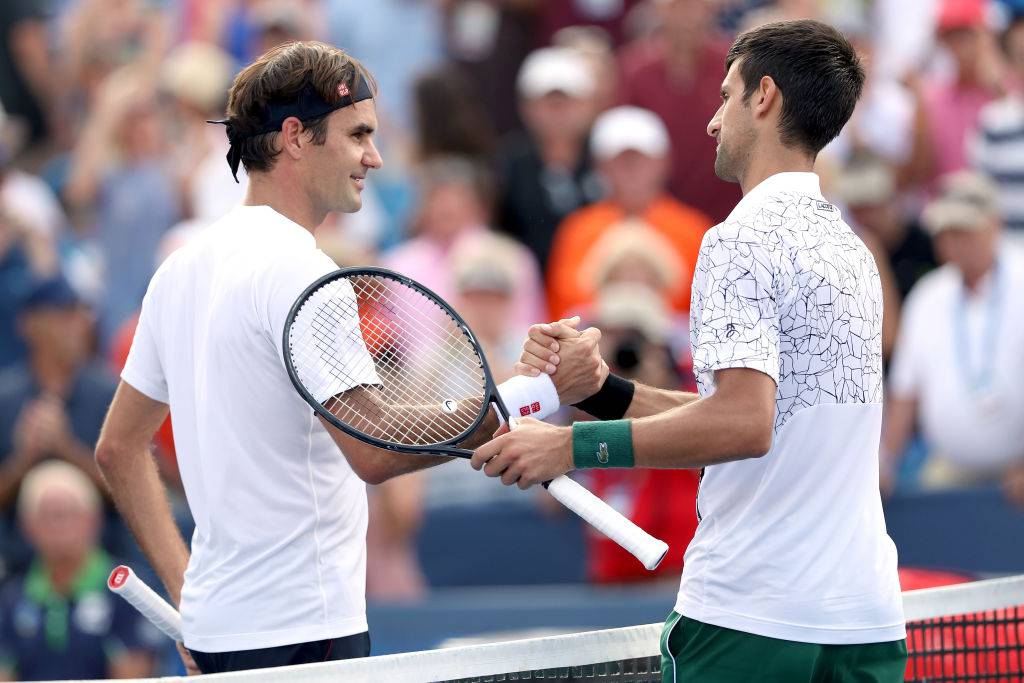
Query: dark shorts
x=348 y=647
x=694 y=651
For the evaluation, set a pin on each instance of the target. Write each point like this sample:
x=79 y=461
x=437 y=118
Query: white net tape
x=580 y=649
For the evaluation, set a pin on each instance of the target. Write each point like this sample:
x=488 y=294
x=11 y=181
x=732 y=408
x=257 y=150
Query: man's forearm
x=649 y=401
x=141 y=498
x=696 y=434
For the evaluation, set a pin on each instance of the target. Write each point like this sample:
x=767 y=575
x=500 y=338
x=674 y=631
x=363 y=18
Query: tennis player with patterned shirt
x=277 y=568
x=791 y=576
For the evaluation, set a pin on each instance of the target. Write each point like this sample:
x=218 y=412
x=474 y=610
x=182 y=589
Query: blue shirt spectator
x=58 y=620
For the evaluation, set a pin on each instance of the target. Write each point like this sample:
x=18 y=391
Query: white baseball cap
x=629 y=128
x=555 y=69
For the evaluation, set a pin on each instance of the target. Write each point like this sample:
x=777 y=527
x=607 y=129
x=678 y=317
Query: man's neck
x=778 y=159
x=282 y=194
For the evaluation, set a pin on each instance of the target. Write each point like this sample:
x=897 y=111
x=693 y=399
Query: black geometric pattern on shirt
x=791 y=278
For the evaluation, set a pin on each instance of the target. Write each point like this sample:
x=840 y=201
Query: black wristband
x=610 y=402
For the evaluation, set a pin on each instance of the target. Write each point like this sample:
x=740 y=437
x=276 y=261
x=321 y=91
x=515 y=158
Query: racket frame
x=446 y=447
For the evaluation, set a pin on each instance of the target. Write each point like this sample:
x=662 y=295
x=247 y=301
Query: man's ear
x=766 y=96
x=291 y=137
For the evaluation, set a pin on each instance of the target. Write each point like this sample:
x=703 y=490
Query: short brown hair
x=279 y=76
x=815 y=68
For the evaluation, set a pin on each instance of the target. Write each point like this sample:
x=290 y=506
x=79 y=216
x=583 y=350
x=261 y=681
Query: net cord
x=579 y=649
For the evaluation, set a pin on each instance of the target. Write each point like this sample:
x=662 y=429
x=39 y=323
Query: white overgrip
x=160 y=613
x=603 y=517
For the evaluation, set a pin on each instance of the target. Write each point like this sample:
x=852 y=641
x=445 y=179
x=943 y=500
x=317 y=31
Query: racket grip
x=160 y=613
x=603 y=517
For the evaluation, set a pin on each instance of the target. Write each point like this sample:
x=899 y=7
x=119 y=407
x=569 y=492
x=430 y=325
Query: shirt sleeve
x=143 y=369
x=735 y=322
x=334 y=356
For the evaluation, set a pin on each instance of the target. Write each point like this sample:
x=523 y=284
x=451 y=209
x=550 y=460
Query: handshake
x=572 y=358
x=535 y=451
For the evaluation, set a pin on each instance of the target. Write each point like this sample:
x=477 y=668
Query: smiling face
x=336 y=170
x=732 y=127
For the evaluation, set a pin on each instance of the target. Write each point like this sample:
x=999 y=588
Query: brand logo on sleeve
x=602 y=453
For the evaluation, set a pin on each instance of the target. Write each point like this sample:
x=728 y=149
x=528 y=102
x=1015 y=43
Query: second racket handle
x=603 y=517
x=160 y=613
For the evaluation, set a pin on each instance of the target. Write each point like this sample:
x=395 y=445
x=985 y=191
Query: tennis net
x=967 y=632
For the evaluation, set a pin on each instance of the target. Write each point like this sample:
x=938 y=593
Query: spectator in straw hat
x=637 y=328
x=632 y=251
x=631 y=148
x=867 y=186
x=957 y=368
x=58 y=620
x=488 y=277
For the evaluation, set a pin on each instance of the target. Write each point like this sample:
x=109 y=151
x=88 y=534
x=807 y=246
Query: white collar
x=790 y=181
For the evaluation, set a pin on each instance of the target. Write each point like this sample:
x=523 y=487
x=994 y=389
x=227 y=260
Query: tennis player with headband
x=791 y=576
x=276 y=573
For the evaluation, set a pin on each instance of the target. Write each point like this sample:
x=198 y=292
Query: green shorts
x=695 y=651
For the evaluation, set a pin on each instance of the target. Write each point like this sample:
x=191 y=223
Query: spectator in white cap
x=545 y=169
x=632 y=151
x=958 y=365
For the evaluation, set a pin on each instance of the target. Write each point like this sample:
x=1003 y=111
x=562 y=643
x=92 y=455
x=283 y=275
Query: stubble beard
x=725 y=164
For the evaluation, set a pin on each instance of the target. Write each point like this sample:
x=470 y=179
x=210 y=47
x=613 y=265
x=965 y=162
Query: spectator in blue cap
x=52 y=404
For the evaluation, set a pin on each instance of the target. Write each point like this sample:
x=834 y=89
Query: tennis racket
x=387 y=361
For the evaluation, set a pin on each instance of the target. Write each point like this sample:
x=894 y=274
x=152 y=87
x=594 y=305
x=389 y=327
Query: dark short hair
x=815 y=68
x=279 y=75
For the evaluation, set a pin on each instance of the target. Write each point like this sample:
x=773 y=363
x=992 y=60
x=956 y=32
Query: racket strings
x=362 y=410
x=422 y=380
x=432 y=361
x=412 y=393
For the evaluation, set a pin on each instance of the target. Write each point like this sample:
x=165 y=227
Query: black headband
x=308 y=106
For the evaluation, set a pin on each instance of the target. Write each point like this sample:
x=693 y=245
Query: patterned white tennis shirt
x=793 y=544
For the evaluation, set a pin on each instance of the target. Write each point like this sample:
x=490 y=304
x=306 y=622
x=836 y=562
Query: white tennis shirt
x=793 y=544
x=960 y=355
x=279 y=549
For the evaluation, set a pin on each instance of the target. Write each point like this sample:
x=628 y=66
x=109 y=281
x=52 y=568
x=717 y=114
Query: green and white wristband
x=602 y=444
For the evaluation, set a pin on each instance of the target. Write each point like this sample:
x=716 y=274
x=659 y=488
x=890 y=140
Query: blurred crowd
x=543 y=158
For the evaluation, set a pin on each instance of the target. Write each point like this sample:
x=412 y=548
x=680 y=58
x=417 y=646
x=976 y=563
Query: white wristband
x=529 y=396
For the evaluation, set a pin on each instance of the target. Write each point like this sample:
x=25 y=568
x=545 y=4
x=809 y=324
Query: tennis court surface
x=967 y=632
